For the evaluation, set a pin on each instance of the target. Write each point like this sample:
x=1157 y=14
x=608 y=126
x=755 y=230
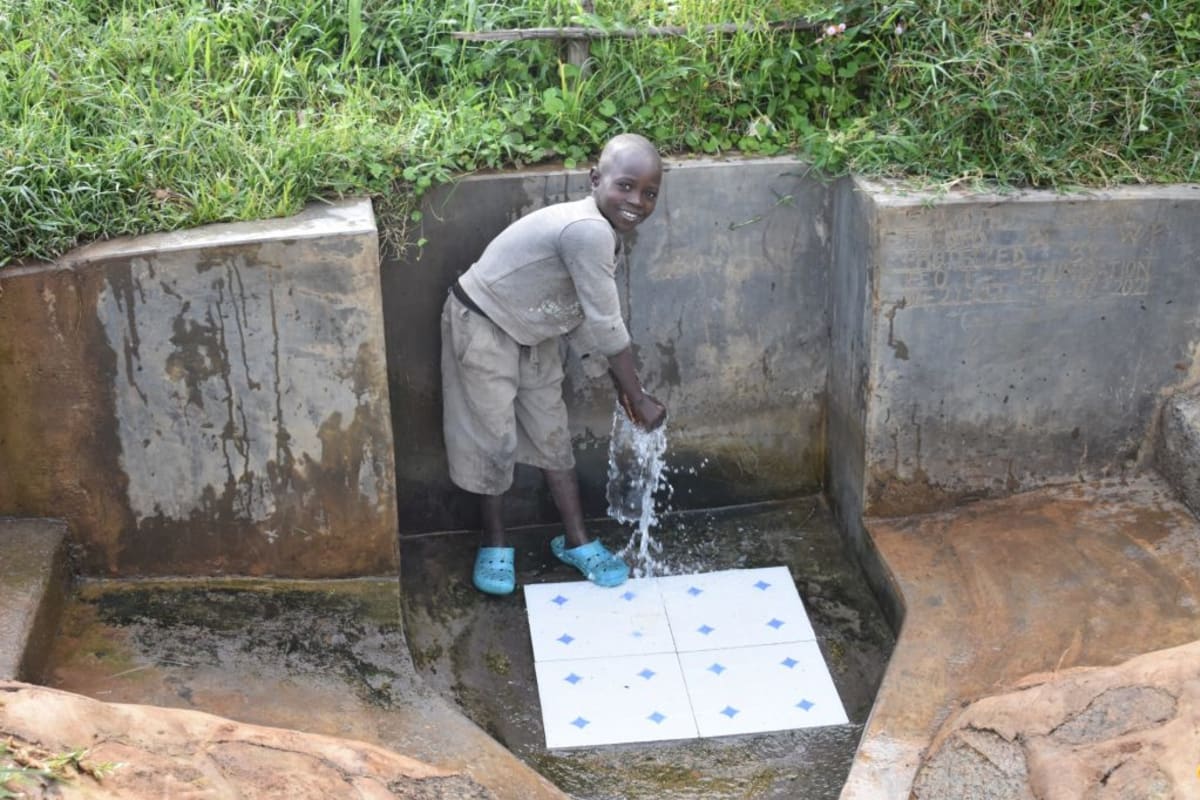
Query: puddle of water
x=636 y=473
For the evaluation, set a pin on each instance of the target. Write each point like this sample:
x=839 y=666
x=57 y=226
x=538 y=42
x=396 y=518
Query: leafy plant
x=128 y=116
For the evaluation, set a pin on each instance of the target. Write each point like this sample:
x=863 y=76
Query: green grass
x=127 y=116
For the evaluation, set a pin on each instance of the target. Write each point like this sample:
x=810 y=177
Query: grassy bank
x=126 y=116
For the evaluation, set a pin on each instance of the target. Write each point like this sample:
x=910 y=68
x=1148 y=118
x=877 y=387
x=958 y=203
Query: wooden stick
x=576 y=33
x=578 y=49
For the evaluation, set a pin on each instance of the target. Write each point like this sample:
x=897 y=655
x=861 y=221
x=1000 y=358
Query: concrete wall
x=984 y=345
x=851 y=307
x=216 y=401
x=208 y=402
x=1024 y=340
x=726 y=295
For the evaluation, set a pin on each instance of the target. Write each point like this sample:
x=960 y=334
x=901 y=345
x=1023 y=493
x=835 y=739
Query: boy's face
x=625 y=186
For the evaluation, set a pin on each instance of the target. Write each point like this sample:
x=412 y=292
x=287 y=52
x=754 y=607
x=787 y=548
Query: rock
x=1178 y=453
x=1129 y=732
x=161 y=752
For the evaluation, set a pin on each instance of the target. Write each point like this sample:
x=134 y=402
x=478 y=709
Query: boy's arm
x=641 y=407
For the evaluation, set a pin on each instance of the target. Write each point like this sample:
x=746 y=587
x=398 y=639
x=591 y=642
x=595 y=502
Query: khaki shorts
x=502 y=403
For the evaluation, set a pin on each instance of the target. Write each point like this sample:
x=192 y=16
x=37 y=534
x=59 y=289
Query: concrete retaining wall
x=208 y=402
x=216 y=401
x=726 y=294
x=1025 y=340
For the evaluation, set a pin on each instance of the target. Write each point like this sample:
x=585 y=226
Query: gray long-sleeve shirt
x=550 y=273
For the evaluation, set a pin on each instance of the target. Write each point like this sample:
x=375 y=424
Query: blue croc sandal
x=494 y=573
x=592 y=559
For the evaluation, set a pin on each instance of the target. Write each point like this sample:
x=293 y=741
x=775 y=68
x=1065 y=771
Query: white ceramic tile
x=734 y=608
x=634 y=664
x=582 y=620
x=597 y=701
x=764 y=688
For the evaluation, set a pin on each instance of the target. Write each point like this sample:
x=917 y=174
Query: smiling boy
x=549 y=274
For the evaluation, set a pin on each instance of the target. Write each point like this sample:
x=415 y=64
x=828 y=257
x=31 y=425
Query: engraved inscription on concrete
x=965 y=263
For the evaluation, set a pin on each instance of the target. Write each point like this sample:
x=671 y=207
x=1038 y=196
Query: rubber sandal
x=592 y=559
x=494 y=573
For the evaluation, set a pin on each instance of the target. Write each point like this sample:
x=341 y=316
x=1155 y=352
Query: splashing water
x=635 y=473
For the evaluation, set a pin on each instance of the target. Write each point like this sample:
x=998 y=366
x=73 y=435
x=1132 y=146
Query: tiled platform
x=678 y=657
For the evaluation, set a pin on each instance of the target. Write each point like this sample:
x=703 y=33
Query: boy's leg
x=564 y=488
x=479 y=383
x=492 y=508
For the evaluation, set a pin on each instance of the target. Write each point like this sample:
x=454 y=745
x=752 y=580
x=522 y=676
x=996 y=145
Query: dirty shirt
x=551 y=273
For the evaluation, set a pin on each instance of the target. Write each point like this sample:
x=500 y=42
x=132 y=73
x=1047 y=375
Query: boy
x=548 y=274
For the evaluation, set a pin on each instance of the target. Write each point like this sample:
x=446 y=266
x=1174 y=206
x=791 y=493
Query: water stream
x=636 y=462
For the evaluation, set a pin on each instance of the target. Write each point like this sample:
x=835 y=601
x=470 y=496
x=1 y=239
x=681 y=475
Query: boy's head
x=626 y=179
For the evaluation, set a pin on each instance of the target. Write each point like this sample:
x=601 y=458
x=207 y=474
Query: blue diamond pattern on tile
x=600 y=621
x=736 y=606
x=764 y=694
x=617 y=705
x=718 y=654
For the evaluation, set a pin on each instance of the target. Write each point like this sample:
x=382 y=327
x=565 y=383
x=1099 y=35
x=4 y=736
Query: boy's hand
x=646 y=412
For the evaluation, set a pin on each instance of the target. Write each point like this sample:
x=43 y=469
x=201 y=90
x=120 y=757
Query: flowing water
x=636 y=472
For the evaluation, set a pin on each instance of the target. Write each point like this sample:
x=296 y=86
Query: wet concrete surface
x=1081 y=575
x=325 y=657
x=475 y=650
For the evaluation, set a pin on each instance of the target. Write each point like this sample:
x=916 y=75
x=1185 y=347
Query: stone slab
x=141 y=752
x=34 y=581
x=1129 y=732
x=1088 y=574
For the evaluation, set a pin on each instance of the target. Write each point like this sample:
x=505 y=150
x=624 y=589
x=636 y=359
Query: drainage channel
x=330 y=657
x=475 y=651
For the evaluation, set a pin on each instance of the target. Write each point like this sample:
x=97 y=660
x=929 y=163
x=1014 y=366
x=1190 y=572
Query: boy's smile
x=625 y=184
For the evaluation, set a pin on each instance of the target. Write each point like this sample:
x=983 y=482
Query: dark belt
x=465 y=299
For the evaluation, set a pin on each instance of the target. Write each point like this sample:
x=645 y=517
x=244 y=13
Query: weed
x=129 y=116
x=21 y=762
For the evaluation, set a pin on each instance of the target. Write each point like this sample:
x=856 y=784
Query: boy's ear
x=594 y=177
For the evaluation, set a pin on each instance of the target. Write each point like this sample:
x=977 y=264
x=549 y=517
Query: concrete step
x=34 y=582
x=1178 y=453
